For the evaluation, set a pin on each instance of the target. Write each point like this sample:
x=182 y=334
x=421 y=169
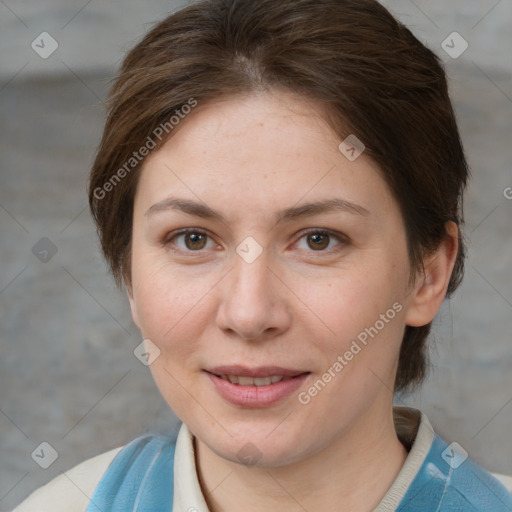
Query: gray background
x=67 y=372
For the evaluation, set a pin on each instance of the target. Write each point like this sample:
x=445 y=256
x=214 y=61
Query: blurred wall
x=92 y=35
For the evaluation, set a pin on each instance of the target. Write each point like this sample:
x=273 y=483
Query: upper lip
x=260 y=371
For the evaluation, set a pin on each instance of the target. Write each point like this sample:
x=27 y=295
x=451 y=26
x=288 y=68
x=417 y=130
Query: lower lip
x=256 y=396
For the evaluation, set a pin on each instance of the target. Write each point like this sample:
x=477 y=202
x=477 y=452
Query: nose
x=255 y=301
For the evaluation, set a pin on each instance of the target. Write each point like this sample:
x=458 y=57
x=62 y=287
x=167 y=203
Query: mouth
x=255 y=387
x=241 y=380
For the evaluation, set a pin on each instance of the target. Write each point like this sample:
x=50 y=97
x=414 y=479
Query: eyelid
x=324 y=231
x=184 y=231
x=340 y=237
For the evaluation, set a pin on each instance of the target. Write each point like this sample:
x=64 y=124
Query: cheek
x=350 y=301
x=360 y=350
x=172 y=305
x=173 y=315
x=164 y=306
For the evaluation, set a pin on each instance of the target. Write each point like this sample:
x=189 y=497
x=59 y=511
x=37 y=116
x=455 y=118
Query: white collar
x=412 y=427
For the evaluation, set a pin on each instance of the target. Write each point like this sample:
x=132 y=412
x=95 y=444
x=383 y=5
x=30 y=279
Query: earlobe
x=430 y=290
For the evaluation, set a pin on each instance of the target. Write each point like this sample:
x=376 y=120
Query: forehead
x=259 y=151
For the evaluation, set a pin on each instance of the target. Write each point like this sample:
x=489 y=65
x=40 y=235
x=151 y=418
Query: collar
x=413 y=430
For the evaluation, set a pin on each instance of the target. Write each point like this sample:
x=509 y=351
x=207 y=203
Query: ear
x=430 y=289
x=133 y=306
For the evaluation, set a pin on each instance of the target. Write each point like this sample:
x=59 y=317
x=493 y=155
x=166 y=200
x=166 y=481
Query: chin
x=254 y=446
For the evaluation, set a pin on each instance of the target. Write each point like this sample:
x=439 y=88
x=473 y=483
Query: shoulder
x=440 y=476
x=108 y=476
x=71 y=490
x=449 y=479
x=142 y=472
x=473 y=486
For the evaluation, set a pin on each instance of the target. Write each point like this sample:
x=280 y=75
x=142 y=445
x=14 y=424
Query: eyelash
x=341 y=238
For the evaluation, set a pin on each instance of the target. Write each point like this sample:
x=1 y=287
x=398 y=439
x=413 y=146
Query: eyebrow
x=309 y=209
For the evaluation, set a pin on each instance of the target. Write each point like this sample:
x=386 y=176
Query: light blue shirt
x=140 y=479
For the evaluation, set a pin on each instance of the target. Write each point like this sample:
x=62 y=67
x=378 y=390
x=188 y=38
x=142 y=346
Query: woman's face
x=295 y=265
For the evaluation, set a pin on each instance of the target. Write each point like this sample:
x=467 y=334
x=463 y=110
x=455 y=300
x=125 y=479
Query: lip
x=253 y=397
x=260 y=371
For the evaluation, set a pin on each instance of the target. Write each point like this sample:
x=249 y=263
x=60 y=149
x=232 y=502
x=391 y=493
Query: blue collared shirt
x=436 y=477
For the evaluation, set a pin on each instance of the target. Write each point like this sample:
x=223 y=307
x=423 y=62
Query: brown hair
x=352 y=56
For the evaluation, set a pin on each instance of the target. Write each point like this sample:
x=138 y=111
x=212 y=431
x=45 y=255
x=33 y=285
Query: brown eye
x=195 y=241
x=189 y=240
x=318 y=241
x=322 y=241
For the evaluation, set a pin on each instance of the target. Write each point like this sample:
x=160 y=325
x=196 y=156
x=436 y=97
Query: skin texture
x=295 y=306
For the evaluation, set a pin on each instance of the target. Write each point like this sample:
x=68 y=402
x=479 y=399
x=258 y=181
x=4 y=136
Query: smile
x=250 y=381
x=256 y=392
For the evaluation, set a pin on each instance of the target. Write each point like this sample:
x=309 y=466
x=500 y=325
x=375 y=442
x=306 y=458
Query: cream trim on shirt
x=72 y=490
x=412 y=465
x=188 y=496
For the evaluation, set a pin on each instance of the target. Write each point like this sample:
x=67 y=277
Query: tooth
x=249 y=381
x=262 y=381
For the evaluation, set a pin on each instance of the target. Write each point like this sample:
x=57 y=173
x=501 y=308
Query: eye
x=319 y=240
x=192 y=240
x=195 y=240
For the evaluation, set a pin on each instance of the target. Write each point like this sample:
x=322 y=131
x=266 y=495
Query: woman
x=279 y=190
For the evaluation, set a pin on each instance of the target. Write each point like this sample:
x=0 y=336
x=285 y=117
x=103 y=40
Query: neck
x=354 y=473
